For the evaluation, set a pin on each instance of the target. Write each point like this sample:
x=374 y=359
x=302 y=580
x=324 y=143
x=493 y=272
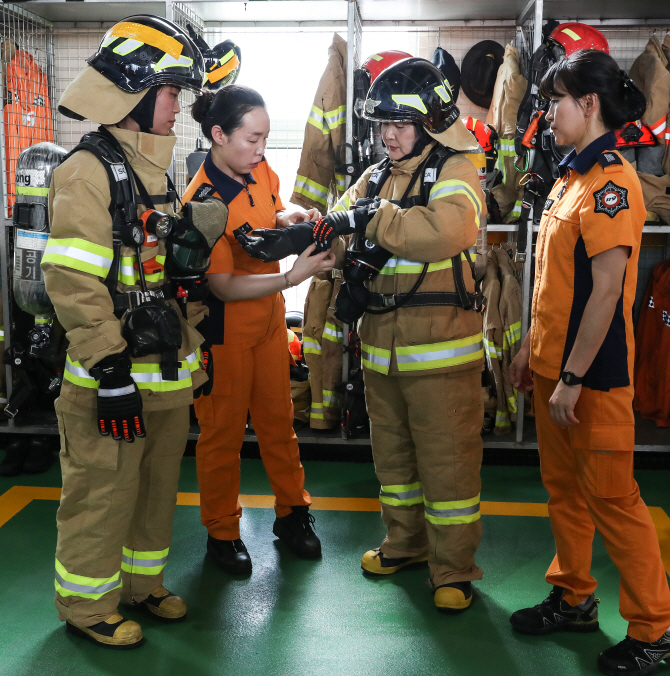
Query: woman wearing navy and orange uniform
x=578 y=359
x=249 y=347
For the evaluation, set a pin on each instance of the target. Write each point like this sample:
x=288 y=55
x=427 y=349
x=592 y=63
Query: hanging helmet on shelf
x=568 y=38
x=379 y=62
x=135 y=55
x=222 y=64
x=414 y=90
x=294 y=320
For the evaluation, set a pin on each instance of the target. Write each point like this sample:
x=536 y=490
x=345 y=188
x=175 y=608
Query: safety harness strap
x=423 y=299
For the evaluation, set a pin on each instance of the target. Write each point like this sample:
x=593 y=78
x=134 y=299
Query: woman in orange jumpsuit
x=249 y=348
x=578 y=358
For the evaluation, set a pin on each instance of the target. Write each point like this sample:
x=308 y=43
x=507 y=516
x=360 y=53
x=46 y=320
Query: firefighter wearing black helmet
x=421 y=326
x=123 y=418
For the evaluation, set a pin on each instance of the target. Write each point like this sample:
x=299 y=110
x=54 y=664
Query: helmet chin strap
x=143 y=112
x=422 y=140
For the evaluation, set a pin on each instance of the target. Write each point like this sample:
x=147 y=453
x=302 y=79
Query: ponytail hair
x=590 y=71
x=224 y=108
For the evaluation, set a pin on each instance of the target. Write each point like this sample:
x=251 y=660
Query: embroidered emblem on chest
x=611 y=199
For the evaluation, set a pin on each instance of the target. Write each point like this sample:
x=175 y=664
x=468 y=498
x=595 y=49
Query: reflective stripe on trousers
x=376 y=358
x=401 y=495
x=143 y=563
x=333 y=333
x=453 y=512
x=310 y=345
x=69 y=584
x=316 y=411
x=330 y=399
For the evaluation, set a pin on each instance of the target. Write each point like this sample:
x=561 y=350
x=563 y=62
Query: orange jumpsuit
x=251 y=369
x=587 y=469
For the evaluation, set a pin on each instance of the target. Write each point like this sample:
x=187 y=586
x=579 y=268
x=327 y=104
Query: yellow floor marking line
x=18 y=497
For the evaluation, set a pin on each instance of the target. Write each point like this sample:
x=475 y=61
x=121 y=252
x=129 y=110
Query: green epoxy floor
x=293 y=617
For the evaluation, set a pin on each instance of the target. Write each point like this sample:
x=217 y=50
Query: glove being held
x=272 y=245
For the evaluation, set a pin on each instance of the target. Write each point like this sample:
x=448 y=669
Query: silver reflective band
x=117 y=392
x=375 y=359
x=406 y=495
x=310 y=188
x=439 y=354
x=443 y=513
x=352 y=222
x=87 y=589
x=143 y=563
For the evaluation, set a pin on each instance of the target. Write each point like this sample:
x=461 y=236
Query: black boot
x=229 y=555
x=39 y=457
x=634 y=657
x=554 y=614
x=295 y=531
x=12 y=464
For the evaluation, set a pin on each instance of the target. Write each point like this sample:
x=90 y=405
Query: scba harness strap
x=428 y=172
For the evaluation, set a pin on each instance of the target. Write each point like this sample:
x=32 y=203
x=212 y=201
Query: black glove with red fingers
x=273 y=245
x=338 y=223
x=119 y=399
x=207 y=361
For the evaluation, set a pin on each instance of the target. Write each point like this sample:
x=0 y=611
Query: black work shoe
x=229 y=555
x=39 y=457
x=12 y=464
x=115 y=632
x=295 y=531
x=634 y=657
x=554 y=614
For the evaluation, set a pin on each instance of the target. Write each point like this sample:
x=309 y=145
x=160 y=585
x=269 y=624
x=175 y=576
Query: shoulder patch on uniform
x=608 y=158
x=611 y=199
x=202 y=193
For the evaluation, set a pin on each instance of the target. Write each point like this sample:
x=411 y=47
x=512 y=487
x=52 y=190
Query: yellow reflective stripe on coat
x=131 y=277
x=143 y=563
x=35 y=192
x=79 y=254
x=512 y=335
x=343 y=204
x=69 y=584
x=401 y=495
x=402 y=266
x=147 y=376
x=440 y=355
x=340 y=182
x=310 y=346
x=330 y=399
x=516 y=210
x=2 y=334
x=376 y=358
x=511 y=403
x=311 y=189
x=337 y=117
x=316 y=411
x=333 y=333
x=453 y=512
x=456 y=187
x=315 y=118
x=505 y=149
x=502 y=419
x=492 y=350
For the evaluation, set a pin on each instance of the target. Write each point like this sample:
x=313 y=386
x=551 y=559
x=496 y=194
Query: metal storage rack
x=627 y=25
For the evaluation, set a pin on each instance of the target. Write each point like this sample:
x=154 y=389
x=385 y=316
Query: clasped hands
x=276 y=244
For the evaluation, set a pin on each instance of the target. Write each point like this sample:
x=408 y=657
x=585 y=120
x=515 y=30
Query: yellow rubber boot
x=165 y=604
x=375 y=563
x=114 y=632
x=456 y=596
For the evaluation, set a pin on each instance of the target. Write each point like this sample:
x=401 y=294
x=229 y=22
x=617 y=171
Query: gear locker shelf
x=78 y=26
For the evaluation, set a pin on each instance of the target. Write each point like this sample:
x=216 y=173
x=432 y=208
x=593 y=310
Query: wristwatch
x=569 y=378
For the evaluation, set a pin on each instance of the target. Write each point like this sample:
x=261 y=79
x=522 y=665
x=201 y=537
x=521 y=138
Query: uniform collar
x=227 y=187
x=145 y=151
x=582 y=162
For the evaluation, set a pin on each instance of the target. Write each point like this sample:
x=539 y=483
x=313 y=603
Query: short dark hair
x=225 y=108
x=590 y=71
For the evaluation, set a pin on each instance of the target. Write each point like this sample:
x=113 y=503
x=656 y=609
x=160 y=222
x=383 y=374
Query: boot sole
x=76 y=631
x=642 y=672
x=575 y=627
x=395 y=569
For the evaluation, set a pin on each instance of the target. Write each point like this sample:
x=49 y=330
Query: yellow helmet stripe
x=571 y=33
x=411 y=100
x=148 y=35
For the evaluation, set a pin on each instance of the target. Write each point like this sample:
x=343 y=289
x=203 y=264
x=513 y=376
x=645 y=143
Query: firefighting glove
x=274 y=245
x=207 y=362
x=338 y=223
x=119 y=399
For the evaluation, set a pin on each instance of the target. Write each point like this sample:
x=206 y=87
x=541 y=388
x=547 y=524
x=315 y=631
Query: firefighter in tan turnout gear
x=413 y=218
x=134 y=358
